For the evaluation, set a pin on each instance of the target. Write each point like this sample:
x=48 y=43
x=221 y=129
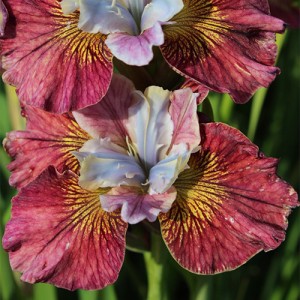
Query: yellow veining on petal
x=198 y=198
x=89 y=47
x=197 y=28
x=73 y=140
x=86 y=213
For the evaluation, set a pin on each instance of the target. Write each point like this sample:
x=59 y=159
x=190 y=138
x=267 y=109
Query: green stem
x=17 y=122
x=154 y=261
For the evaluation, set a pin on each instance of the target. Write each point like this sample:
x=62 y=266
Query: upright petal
x=227 y=46
x=150 y=125
x=109 y=117
x=136 y=205
x=183 y=111
x=105 y=16
x=54 y=65
x=48 y=139
x=59 y=234
x=159 y=11
x=230 y=204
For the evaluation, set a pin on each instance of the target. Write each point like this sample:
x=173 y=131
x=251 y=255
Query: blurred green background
x=271 y=120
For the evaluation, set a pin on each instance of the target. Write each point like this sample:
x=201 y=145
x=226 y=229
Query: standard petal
x=135 y=50
x=227 y=46
x=54 y=65
x=48 y=139
x=230 y=204
x=59 y=234
x=136 y=205
x=106 y=17
x=150 y=125
x=183 y=111
x=108 y=118
x=159 y=11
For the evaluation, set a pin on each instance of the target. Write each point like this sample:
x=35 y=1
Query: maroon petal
x=196 y=88
x=286 y=10
x=54 y=65
x=227 y=46
x=3 y=17
x=59 y=234
x=48 y=139
x=230 y=204
x=108 y=117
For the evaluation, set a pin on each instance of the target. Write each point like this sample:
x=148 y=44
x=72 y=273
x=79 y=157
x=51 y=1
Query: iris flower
x=59 y=54
x=83 y=177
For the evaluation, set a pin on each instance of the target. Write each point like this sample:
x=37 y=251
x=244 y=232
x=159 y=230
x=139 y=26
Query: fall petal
x=135 y=50
x=228 y=47
x=287 y=10
x=230 y=204
x=108 y=118
x=48 y=139
x=59 y=234
x=136 y=205
x=54 y=65
x=200 y=89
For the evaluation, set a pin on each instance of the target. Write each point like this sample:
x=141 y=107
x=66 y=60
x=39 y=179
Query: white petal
x=135 y=50
x=69 y=6
x=104 y=164
x=101 y=16
x=159 y=11
x=163 y=174
x=150 y=125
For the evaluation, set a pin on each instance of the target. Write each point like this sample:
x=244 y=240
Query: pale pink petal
x=136 y=205
x=183 y=111
x=108 y=117
x=135 y=50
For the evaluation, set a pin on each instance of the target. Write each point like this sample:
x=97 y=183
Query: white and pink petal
x=136 y=205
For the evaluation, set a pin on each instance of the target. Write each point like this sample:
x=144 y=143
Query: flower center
x=145 y=162
x=130 y=16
